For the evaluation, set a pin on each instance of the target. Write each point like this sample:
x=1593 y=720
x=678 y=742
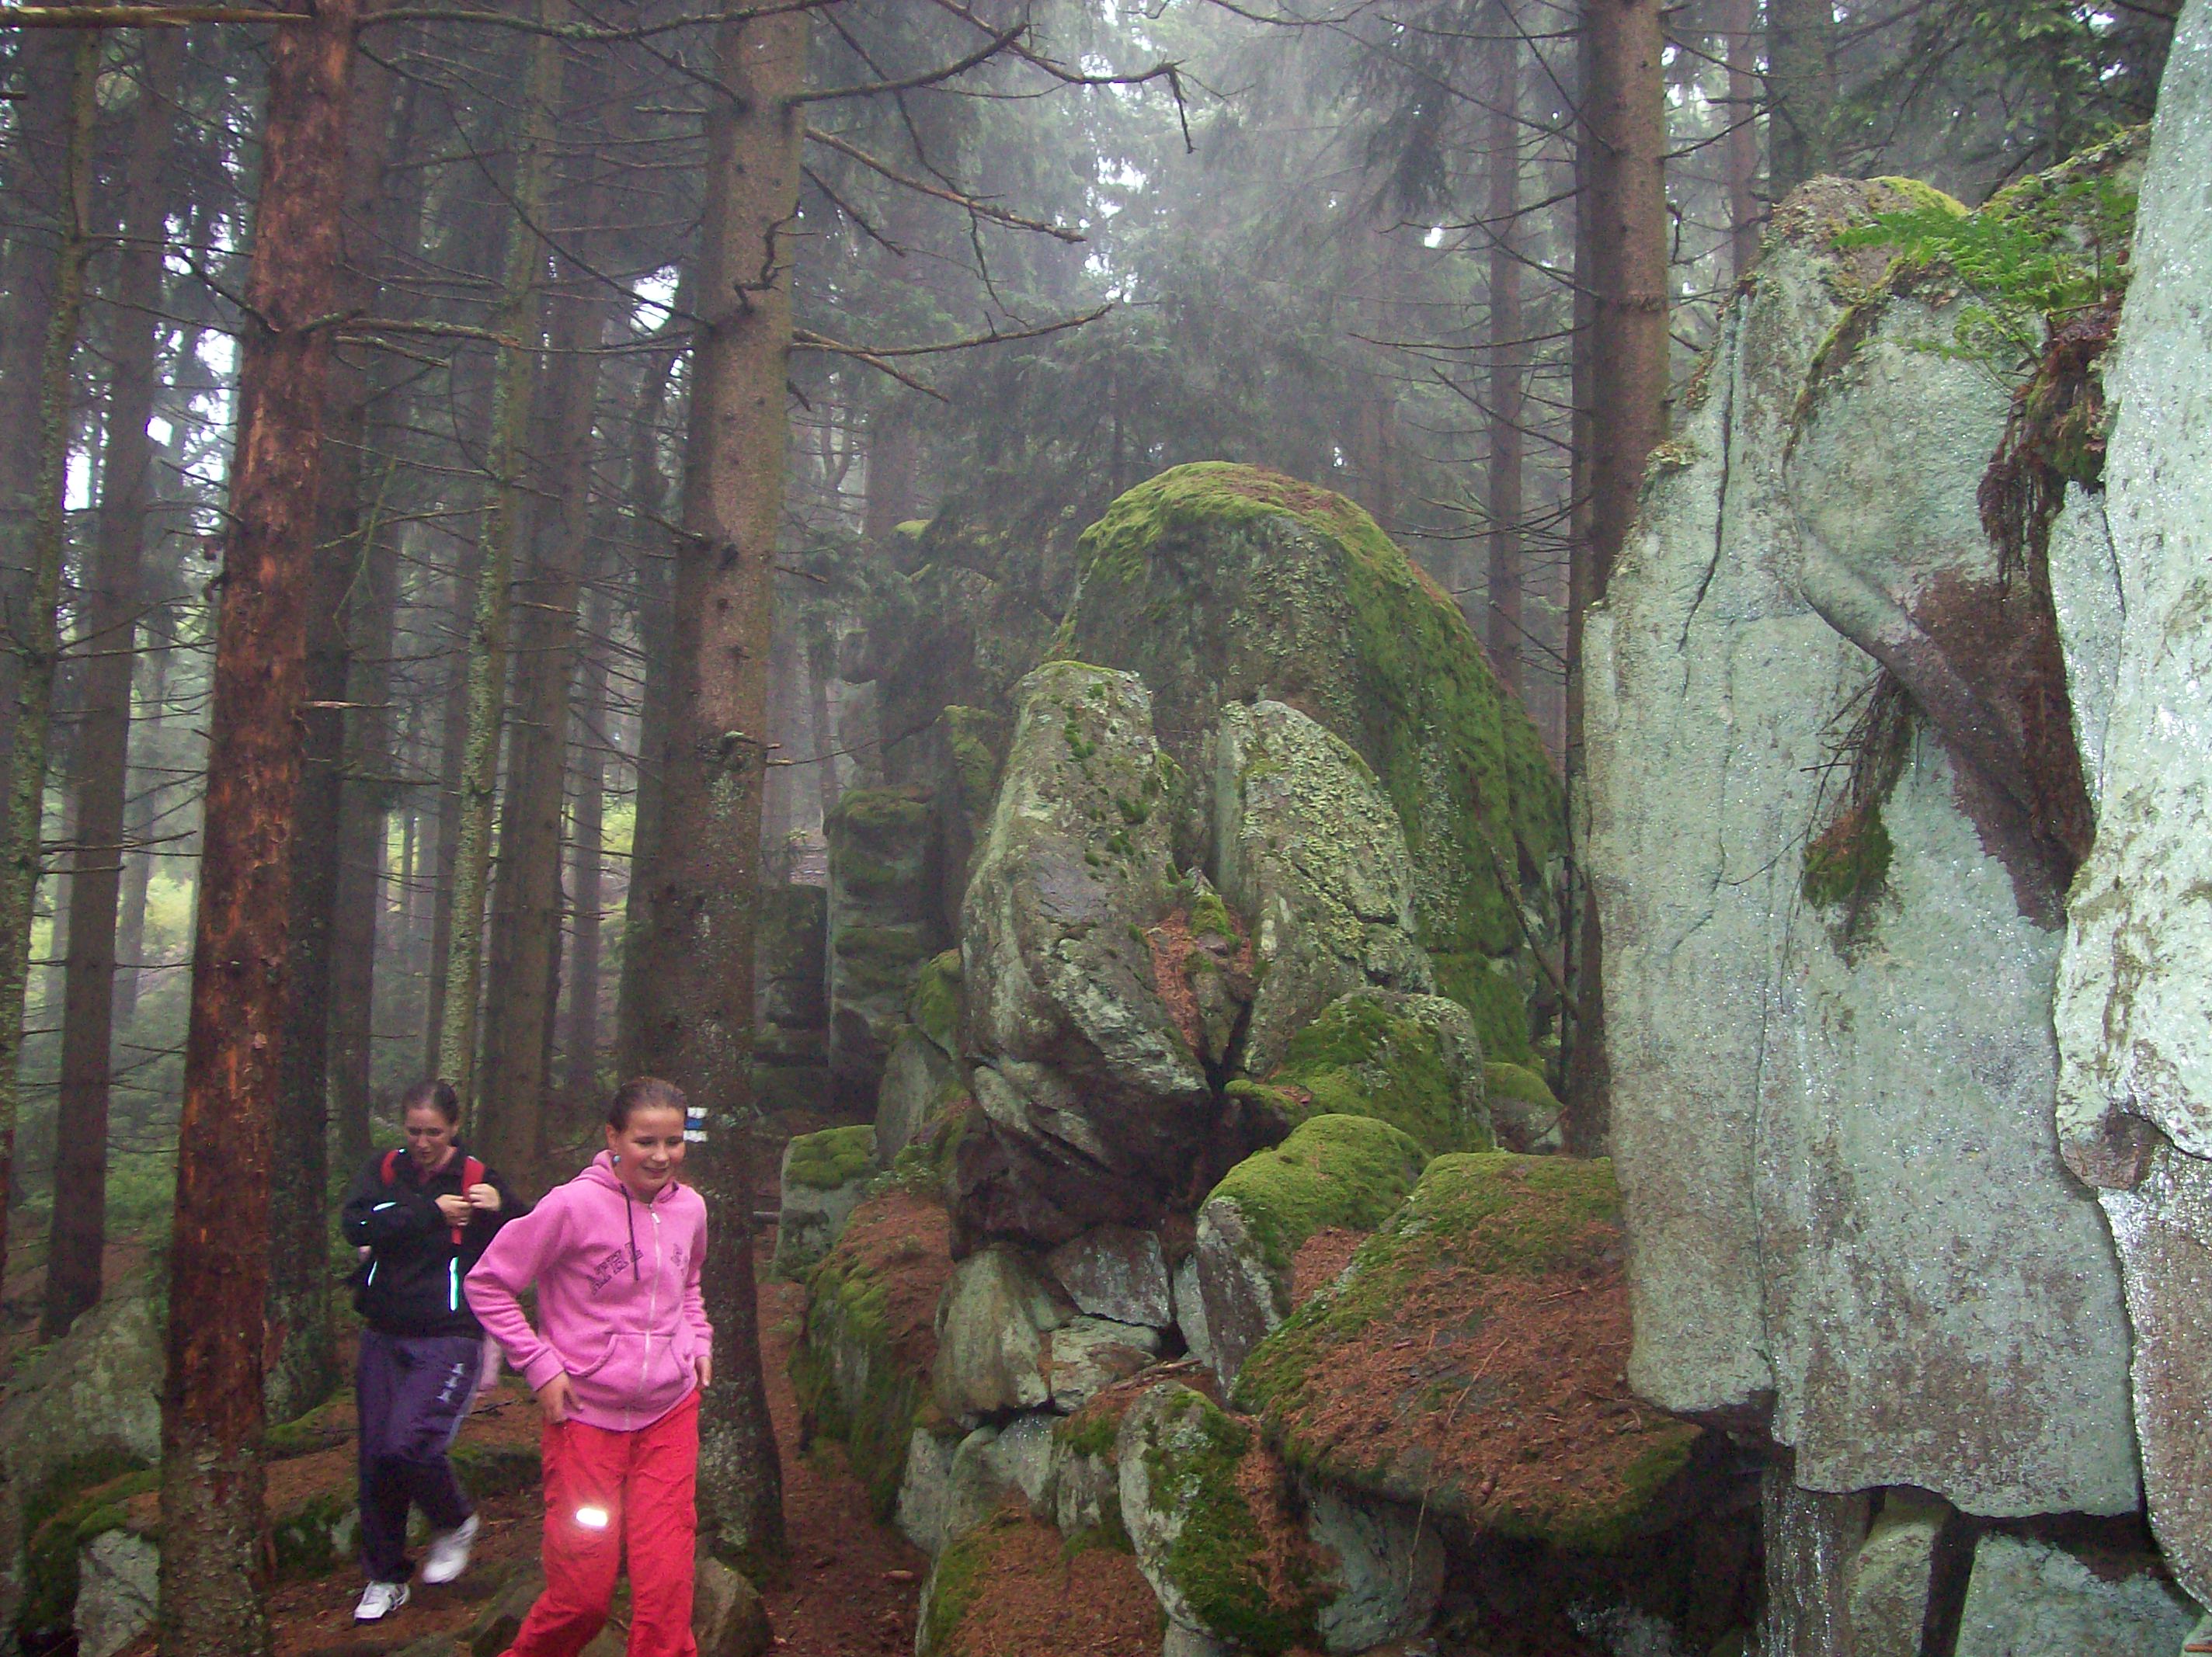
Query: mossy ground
x=1472 y=1359
x=1357 y=636
x=836 y=1156
x=1350 y=1171
x=1363 y=1058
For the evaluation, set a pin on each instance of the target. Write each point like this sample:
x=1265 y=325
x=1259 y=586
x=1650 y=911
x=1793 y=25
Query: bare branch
x=984 y=209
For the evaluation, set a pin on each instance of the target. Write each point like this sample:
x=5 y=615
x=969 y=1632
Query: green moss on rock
x=1216 y=1558
x=1223 y=583
x=1532 y=1245
x=934 y=1006
x=836 y=1156
x=1375 y=1056
x=74 y=1504
x=1350 y=1171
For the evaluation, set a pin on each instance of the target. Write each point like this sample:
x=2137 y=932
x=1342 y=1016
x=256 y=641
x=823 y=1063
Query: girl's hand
x=554 y=1398
x=703 y=1366
x=456 y=1210
x=485 y=1197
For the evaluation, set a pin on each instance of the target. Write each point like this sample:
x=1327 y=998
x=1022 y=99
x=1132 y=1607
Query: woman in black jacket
x=423 y=1215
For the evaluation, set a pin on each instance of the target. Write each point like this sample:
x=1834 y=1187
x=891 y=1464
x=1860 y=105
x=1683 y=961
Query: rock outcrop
x=1829 y=819
x=883 y=924
x=1096 y=1109
x=1220 y=585
x=2133 y=1007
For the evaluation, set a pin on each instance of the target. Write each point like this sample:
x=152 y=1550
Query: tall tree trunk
x=586 y=885
x=649 y=489
x=107 y=608
x=453 y=747
x=519 y=318
x=1502 y=625
x=1739 y=23
x=821 y=668
x=525 y=957
x=38 y=636
x=370 y=620
x=1800 y=91
x=705 y=878
x=214 y=1533
x=304 y=1368
x=1625 y=204
x=138 y=827
x=38 y=209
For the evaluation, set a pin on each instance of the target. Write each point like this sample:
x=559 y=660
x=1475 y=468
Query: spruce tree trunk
x=519 y=319
x=139 y=817
x=1503 y=626
x=107 y=608
x=1800 y=91
x=37 y=638
x=698 y=1022
x=215 y=1531
x=1739 y=23
x=524 y=984
x=304 y=1367
x=586 y=879
x=1623 y=210
x=36 y=208
x=821 y=668
x=653 y=579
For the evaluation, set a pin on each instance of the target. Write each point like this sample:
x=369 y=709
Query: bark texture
x=698 y=1001
x=215 y=1553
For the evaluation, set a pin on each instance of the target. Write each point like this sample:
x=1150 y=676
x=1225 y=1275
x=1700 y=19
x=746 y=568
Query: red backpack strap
x=391 y=1166
x=473 y=1172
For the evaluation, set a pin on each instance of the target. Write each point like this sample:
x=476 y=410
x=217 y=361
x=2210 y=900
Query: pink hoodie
x=618 y=1299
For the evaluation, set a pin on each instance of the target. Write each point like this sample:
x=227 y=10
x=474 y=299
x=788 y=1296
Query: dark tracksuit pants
x=413 y=1392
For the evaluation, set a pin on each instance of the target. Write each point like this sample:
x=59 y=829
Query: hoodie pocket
x=606 y=1353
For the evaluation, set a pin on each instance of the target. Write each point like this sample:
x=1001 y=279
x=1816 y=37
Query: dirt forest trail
x=851 y=1590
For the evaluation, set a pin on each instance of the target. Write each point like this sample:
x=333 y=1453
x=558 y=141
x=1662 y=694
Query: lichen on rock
x=1222 y=583
x=1411 y=1060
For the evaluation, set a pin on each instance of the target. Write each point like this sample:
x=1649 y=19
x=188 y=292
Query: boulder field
x=1215 y=1222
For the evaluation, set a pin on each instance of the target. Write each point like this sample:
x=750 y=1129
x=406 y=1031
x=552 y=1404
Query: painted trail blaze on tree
x=214 y=1547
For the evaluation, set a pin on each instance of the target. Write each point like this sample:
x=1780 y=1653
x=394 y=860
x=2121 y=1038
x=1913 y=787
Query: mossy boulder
x=862 y=1368
x=936 y=1004
x=1096 y=1110
x=1524 y=1113
x=1311 y=855
x=825 y=1175
x=791 y=985
x=1207 y=1511
x=920 y=1085
x=1221 y=583
x=1348 y=1171
x=1411 y=1060
x=1471 y=1359
x=994 y=1335
x=884 y=926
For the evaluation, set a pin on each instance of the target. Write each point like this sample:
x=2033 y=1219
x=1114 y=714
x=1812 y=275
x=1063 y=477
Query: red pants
x=629 y=1488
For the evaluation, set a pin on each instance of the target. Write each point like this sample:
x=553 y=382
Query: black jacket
x=410 y=1285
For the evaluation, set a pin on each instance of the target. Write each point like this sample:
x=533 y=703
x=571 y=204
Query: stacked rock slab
x=1830 y=1116
x=2135 y=1094
x=1096 y=1111
x=791 y=1007
x=1219 y=584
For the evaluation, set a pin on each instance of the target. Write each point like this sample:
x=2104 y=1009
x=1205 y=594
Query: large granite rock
x=118 y=1576
x=1411 y=1060
x=920 y=1085
x=1347 y=1171
x=1114 y=1272
x=862 y=1369
x=883 y=924
x=2029 y=1598
x=1222 y=583
x=2133 y=1007
x=1468 y=1363
x=825 y=1177
x=993 y=1330
x=1311 y=854
x=1828 y=822
x=1096 y=1108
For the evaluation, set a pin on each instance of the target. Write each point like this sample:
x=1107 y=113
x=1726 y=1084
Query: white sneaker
x=448 y=1555
x=379 y=1600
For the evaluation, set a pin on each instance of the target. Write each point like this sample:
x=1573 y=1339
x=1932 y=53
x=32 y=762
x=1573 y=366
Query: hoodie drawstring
x=630 y=1216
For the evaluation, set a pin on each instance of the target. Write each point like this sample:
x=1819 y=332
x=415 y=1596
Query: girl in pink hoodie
x=620 y=1353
